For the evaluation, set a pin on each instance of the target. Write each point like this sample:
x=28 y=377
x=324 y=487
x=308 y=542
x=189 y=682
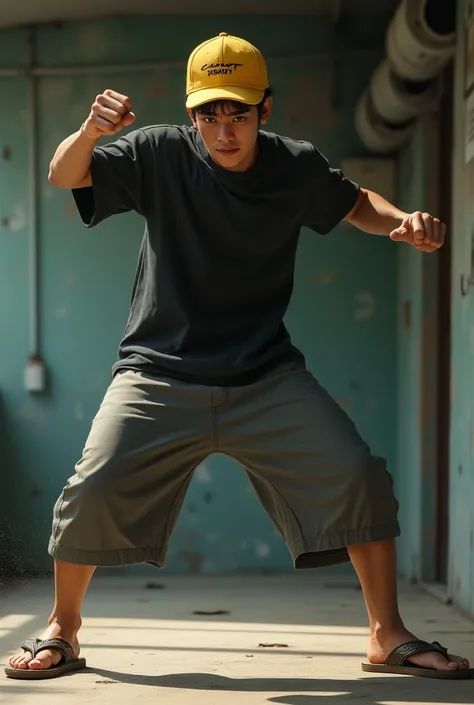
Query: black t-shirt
x=216 y=265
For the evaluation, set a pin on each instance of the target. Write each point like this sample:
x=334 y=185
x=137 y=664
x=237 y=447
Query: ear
x=266 y=111
x=191 y=117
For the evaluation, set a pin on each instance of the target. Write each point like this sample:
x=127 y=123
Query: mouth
x=227 y=152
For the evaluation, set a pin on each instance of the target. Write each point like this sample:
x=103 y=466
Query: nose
x=225 y=133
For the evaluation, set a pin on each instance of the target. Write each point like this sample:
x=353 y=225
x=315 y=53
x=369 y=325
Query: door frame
x=435 y=352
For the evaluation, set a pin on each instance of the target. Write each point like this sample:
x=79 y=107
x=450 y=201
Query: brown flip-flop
x=68 y=662
x=395 y=662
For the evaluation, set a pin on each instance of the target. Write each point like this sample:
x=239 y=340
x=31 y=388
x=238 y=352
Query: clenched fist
x=422 y=231
x=110 y=113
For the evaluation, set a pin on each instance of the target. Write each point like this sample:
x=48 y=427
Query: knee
x=369 y=475
x=98 y=482
x=365 y=471
x=355 y=462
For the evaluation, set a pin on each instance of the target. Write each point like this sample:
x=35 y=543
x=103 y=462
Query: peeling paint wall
x=13 y=299
x=342 y=313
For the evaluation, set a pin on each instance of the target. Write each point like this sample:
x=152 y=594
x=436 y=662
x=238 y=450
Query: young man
x=206 y=364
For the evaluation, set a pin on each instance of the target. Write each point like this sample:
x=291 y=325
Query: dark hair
x=229 y=106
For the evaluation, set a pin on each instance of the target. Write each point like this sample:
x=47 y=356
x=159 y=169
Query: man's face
x=230 y=133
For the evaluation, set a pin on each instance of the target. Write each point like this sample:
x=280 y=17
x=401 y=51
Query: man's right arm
x=71 y=164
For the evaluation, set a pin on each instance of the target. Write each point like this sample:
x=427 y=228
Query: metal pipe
x=33 y=195
x=164 y=65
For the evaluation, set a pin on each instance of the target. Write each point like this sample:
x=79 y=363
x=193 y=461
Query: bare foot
x=383 y=642
x=47 y=658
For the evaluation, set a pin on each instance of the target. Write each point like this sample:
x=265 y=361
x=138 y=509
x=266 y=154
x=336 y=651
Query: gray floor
x=145 y=645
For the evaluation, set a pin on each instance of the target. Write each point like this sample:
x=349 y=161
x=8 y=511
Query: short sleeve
x=328 y=195
x=118 y=172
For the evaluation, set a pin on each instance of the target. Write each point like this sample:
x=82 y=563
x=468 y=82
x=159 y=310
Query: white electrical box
x=35 y=375
x=374 y=174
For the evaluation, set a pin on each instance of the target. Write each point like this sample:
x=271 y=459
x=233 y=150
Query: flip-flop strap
x=35 y=646
x=443 y=650
x=406 y=651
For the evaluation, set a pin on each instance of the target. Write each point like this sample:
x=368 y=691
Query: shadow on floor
x=370 y=690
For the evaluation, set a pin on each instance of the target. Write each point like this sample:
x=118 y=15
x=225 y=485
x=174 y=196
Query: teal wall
x=462 y=373
x=16 y=429
x=343 y=313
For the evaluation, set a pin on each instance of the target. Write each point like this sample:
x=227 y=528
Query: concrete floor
x=146 y=646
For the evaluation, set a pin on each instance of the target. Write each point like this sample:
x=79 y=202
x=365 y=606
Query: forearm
x=70 y=166
x=373 y=214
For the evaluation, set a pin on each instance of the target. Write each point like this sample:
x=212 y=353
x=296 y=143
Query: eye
x=209 y=120
x=240 y=118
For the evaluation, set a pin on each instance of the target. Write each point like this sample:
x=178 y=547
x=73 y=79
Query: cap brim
x=251 y=96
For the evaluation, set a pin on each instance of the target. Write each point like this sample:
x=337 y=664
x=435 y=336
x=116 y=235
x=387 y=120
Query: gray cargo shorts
x=314 y=475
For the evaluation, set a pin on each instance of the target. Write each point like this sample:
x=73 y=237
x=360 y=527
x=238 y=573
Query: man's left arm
x=373 y=214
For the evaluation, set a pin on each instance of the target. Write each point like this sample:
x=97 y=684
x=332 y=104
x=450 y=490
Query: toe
x=44 y=660
x=443 y=665
x=434 y=661
x=20 y=660
x=38 y=664
x=454 y=665
x=459 y=660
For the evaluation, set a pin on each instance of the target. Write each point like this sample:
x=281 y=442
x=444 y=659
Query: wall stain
x=18 y=219
x=262 y=549
x=194 y=561
x=202 y=474
x=323 y=278
x=364 y=306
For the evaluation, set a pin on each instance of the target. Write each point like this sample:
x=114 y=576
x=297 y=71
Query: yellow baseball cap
x=225 y=68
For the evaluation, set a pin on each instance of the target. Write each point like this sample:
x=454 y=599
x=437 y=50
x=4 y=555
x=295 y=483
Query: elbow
x=64 y=183
x=53 y=178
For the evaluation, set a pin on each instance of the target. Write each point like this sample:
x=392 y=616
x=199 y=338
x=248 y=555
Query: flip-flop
x=395 y=662
x=68 y=662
